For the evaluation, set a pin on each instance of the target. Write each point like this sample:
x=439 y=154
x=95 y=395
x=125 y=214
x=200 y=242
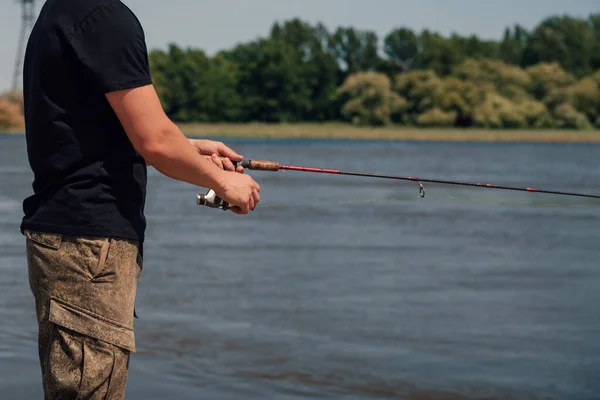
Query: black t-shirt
x=88 y=178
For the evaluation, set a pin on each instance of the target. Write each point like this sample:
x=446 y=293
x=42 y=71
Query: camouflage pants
x=84 y=290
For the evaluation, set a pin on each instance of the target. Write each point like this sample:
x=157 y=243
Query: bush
x=536 y=114
x=459 y=96
x=498 y=112
x=418 y=87
x=584 y=96
x=11 y=111
x=371 y=100
x=546 y=78
x=508 y=80
x=567 y=117
x=437 y=118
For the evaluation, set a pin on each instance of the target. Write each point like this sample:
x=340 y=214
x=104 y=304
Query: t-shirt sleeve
x=111 y=45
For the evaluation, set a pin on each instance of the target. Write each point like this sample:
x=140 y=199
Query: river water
x=352 y=288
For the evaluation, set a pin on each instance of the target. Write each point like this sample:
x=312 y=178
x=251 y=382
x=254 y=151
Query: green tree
x=271 y=81
x=355 y=50
x=474 y=47
x=594 y=22
x=566 y=40
x=402 y=49
x=170 y=85
x=215 y=97
x=194 y=87
x=438 y=54
x=513 y=45
x=319 y=66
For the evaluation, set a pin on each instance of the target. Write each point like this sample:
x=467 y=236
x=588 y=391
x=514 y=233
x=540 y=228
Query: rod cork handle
x=261 y=165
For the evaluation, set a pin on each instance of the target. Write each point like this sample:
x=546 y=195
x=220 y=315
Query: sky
x=214 y=25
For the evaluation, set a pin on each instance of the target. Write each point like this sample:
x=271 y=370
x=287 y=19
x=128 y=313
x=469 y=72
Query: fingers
x=223 y=163
x=255 y=198
x=206 y=147
x=225 y=151
x=217 y=160
x=255 y=195
x=245 y=208
x=227 y=164
x=236 y=210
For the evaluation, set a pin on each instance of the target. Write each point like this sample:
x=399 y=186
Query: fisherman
x=93 y=124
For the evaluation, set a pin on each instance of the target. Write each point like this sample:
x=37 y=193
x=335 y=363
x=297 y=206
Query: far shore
x=343 y=131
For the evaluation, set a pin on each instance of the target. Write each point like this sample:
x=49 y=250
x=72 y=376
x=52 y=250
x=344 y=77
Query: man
x=93 y=124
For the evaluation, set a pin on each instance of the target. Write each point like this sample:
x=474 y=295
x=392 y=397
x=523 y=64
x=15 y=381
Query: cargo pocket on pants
x=89 y=324
x=84 y=367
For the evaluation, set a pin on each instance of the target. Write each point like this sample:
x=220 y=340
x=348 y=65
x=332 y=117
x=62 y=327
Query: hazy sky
x=218 y=24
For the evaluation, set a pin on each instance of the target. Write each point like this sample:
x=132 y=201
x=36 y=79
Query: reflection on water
x=373 y=390
x=350 y=288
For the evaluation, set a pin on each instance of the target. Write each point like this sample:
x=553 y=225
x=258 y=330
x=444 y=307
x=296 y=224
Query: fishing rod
x=211 y=199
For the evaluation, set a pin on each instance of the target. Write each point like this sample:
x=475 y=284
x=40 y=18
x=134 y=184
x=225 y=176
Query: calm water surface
x=350 y=288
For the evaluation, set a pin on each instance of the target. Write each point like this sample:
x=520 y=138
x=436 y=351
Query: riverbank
x=343 y=131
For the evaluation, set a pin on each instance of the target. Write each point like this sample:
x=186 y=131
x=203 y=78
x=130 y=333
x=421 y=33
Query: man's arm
x=165 y=147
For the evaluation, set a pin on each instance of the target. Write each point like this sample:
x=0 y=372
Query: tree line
x=546 y=77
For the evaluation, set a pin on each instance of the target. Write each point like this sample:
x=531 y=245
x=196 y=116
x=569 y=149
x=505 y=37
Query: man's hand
x=240 y=191
x=220 y=154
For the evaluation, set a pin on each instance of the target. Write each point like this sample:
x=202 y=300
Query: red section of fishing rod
x=419 y=180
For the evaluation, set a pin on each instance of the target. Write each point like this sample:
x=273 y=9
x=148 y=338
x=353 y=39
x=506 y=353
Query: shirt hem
x=80 y=231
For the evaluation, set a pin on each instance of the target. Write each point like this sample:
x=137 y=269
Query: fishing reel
x=210 y=199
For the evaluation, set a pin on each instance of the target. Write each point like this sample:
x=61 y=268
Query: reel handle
x=210 y=199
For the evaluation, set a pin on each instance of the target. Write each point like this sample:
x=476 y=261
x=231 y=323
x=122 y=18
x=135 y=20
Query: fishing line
x=474 y=200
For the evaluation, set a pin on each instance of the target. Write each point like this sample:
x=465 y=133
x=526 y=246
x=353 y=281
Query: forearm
x=149 y=164
x=172 y=154
x=160 y=141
